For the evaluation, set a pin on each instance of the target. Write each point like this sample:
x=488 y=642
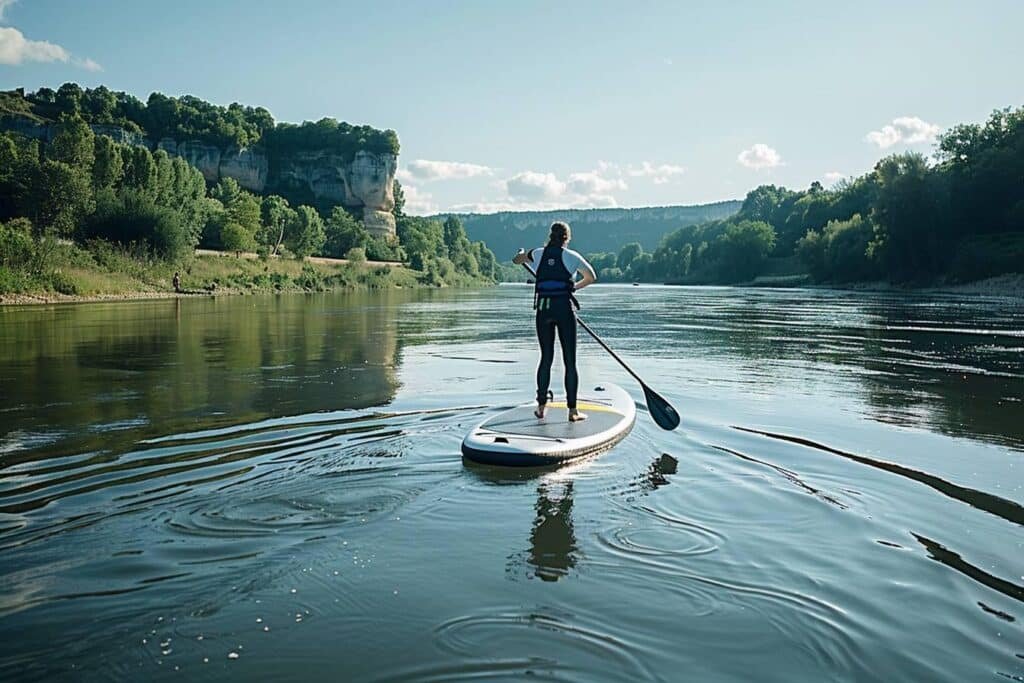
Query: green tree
x=628 y=254
x=108 y=167
x=344 y=232
x=455 y=239
x=399 y=193
x=744 y=247
x=74 y=144
x=275 y=216
x=69 y=99
x=911 y=231
x=423 y=240
x=63 y=197
x=236 y=238
x=306 y=236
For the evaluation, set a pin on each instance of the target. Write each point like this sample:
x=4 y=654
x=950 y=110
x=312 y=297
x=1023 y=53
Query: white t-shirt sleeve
x=535 y=255
x=575 y=263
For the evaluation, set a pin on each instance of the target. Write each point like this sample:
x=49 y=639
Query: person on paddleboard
x=556 y=268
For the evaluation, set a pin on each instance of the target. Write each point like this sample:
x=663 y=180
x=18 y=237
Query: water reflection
x=552 y=551
x=76 y=376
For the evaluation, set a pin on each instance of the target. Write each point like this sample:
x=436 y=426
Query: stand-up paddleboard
x=516 y=438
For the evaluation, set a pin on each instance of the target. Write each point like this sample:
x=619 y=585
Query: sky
x=538 y=105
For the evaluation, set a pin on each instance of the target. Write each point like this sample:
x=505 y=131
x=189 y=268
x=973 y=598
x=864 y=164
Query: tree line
x=189 y=118
x=86 y=189
x=958 y=216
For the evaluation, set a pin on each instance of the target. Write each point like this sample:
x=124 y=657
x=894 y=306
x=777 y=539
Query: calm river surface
x=271 y=488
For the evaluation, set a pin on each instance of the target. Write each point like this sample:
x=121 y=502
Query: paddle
x=660 y=409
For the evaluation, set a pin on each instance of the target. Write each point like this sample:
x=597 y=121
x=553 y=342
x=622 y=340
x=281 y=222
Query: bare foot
x=539 y=412
x=576 y=416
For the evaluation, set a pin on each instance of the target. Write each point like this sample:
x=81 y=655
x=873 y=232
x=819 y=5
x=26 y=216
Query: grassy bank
x=101 y=272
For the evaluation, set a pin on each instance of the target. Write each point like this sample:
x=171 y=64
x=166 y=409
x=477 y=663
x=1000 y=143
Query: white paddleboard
x=516 y=438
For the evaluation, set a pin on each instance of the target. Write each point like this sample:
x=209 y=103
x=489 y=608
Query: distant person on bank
x=556 y=268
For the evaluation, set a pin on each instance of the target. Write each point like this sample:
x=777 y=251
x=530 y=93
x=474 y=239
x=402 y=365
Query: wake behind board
x=516 y=438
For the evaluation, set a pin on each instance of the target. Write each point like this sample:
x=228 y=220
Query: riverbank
x=1009 y=285
x=212 y=274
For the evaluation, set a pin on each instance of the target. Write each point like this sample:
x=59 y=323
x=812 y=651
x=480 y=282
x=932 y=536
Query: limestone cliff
x=366 y=182
x=325 y=179
x=321 y=178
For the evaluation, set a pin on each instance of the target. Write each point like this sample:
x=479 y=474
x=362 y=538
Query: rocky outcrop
x=249 y=166
x=365 y=182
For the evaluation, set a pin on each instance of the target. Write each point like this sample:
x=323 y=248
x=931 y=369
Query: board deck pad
x=518 y=438
x=555 y=424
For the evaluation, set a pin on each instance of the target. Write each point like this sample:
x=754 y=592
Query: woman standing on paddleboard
x=556 y=267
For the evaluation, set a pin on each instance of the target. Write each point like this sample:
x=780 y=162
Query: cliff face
x=366 y=182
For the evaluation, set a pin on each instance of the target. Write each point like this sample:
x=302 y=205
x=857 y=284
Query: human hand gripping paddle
x=660 y=409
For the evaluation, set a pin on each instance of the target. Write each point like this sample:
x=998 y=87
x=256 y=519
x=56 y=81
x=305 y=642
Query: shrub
x=62 y=283
x=131 y=217
x=17 y=248
x=356 y=255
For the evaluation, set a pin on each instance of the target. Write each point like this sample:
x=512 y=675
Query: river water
x=271 y=488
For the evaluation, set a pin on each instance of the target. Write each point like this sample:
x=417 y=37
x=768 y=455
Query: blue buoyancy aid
x=553 y=278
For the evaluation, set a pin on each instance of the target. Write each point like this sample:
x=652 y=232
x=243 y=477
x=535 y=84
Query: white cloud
x=417 y=202
x=510 y=204
x=4 y=4
x=593 y=183
x=425 y=170
x=910 y=130
x=16 y=49
x=534 y=186
x=88 y=64
x=833 y=177
x=759 y=156
x=660 y=174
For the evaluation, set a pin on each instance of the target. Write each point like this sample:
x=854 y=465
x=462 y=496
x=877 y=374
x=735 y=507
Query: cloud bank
x=425 y=170
x=908 y=130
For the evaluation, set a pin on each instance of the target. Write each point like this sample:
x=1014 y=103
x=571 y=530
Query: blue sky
x=547 y=105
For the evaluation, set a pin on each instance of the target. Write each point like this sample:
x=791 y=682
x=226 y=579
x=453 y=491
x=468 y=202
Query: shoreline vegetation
x=951 y=218
x=211 y=273
x=84 y=213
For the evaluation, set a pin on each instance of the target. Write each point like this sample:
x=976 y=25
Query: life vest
x=553 y=279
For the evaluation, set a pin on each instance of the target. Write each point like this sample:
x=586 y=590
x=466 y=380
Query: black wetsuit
x=553 y=301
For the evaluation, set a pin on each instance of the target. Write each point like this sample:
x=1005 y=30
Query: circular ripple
x=535 y=641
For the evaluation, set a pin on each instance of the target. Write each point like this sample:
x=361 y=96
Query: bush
x=981 y=256
x=356 y=255
x=310 y=279
x=17 y=248
x=131 y=217
x=62 y=283
x=14 y=281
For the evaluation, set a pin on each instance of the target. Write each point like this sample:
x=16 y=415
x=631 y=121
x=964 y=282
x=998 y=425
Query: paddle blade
x=663 y=413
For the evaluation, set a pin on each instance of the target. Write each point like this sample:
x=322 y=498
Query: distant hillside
x=593 y=230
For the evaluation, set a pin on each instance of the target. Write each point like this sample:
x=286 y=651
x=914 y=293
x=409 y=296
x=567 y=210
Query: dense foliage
x=191 y=118
x=959 y=216
x=85 y=189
